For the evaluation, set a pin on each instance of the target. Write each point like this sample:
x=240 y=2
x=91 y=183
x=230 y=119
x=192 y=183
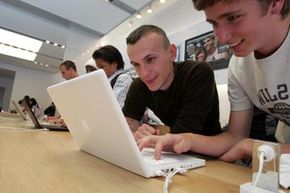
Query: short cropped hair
x=144 y=30
x=69 y=64
x=202 y=4
x=109 y=54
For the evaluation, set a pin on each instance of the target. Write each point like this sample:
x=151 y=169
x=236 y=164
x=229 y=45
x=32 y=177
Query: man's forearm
x=213 y=145
x=285 y=148
x=133 y=124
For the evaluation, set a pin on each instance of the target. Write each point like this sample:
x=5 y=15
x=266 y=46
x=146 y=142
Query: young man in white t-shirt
x=257 y=32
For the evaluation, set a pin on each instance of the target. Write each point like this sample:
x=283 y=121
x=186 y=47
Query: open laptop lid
x=31 y=115
x=19 y=111
x=91 y=112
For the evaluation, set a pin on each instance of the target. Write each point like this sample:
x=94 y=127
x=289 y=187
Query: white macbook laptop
x=90 y=110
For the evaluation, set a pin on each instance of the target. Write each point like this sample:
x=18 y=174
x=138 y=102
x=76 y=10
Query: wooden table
x=34 y=161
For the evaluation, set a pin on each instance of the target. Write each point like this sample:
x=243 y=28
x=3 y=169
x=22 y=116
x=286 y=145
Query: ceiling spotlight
x=149 y=10
x=138 y=16
x=162 y=1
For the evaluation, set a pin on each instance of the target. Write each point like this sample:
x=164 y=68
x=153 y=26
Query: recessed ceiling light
x=138 y=16
x=149 y=10
x=16 y=45
x=18 y=53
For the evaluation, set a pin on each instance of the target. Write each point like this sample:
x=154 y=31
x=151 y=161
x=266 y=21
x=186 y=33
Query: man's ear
x=276 y=6
x=172 y=48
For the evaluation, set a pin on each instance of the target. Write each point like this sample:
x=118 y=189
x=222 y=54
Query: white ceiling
x=49 y=20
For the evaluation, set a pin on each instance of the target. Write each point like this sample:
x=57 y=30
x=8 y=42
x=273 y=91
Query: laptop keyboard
x=148 y=157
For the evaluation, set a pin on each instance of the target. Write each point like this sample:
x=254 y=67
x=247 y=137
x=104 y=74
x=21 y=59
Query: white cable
x=160 y=173
x=168 y=180
x=169 y=177
x=265 y=154
x=261 y=165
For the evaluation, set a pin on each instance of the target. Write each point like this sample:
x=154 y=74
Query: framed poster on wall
x=205 y=48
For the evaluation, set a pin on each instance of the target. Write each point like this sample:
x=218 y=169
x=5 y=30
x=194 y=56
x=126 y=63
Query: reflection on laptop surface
x=99 y=127
x=37 y=125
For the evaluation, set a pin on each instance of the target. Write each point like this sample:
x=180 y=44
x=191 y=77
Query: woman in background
x=111 y=61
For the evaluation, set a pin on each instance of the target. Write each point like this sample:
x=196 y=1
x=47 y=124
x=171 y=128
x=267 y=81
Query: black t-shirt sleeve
x=136 y=100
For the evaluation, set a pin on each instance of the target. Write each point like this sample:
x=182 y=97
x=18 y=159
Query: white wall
x=6 y=84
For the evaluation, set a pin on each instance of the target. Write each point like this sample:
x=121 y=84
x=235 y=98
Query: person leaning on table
x=258 y=75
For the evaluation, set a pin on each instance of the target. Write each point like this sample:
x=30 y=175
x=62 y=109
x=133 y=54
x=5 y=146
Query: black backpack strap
x=113 y=81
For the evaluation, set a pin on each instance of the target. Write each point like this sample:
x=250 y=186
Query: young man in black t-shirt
x=183 y=95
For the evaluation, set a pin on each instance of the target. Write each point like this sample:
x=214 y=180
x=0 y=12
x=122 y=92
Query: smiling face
x=243 y=26
x=153 y=61
x=200 y=55
x=209 y=45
